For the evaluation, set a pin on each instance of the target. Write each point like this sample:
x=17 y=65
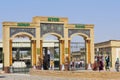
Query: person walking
x=117 y=65
x=101 y=65
x=107 y=63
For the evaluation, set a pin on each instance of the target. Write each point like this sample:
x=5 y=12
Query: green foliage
x=28 y=52
x=1 y=55
x=38 y=50
x=56 y=55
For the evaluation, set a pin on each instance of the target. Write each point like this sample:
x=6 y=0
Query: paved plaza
x=77 y=75
x=29 y=77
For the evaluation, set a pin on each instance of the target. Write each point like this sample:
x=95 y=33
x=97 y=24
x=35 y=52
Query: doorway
x=51 y=53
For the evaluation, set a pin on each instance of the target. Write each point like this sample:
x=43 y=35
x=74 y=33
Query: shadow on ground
x=2 y=76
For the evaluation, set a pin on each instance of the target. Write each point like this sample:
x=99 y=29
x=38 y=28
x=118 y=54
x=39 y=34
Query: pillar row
x=88 y=48
x=61 y=52
x=10 y=47
x=33 y=52
x=41 y=49
x=69 y=51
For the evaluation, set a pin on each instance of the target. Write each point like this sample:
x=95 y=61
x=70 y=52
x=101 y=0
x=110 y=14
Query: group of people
x=76 y=64
x=100 y=63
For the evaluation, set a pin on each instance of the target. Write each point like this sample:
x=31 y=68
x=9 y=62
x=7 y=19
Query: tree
x=28 y=52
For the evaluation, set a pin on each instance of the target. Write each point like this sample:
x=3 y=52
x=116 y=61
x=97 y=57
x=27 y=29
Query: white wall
x=117 y=53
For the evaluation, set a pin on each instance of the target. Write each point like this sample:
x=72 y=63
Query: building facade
x=109 y=48
x=38 y=29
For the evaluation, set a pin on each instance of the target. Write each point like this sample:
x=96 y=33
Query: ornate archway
x=32 y=46
x=86 y=33
x=79 y=50
x=13 y=32
x=61 y=47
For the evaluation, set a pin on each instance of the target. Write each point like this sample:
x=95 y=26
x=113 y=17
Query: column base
x=62 y=67
x=89 y=67
x=7 y=69
x=66 y=67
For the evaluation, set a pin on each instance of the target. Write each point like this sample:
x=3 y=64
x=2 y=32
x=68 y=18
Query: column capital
x=88 y=40
x=33 y=40
x=69 y=38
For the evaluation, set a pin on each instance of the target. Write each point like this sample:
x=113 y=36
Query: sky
x=104 y=14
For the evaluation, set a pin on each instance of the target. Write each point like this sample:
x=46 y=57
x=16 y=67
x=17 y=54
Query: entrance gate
x=38 y=29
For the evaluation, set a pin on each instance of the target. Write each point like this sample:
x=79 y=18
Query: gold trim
x=10 y=47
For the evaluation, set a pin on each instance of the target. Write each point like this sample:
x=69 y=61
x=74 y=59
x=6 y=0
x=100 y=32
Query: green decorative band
x=38 y=50
x=66 y=50
x=80 y=26
x=53 y=19
x=23 y=24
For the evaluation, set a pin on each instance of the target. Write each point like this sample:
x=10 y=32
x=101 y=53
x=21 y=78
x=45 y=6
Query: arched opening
x=21 y=53
x=78 y=52
x=51 y=52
